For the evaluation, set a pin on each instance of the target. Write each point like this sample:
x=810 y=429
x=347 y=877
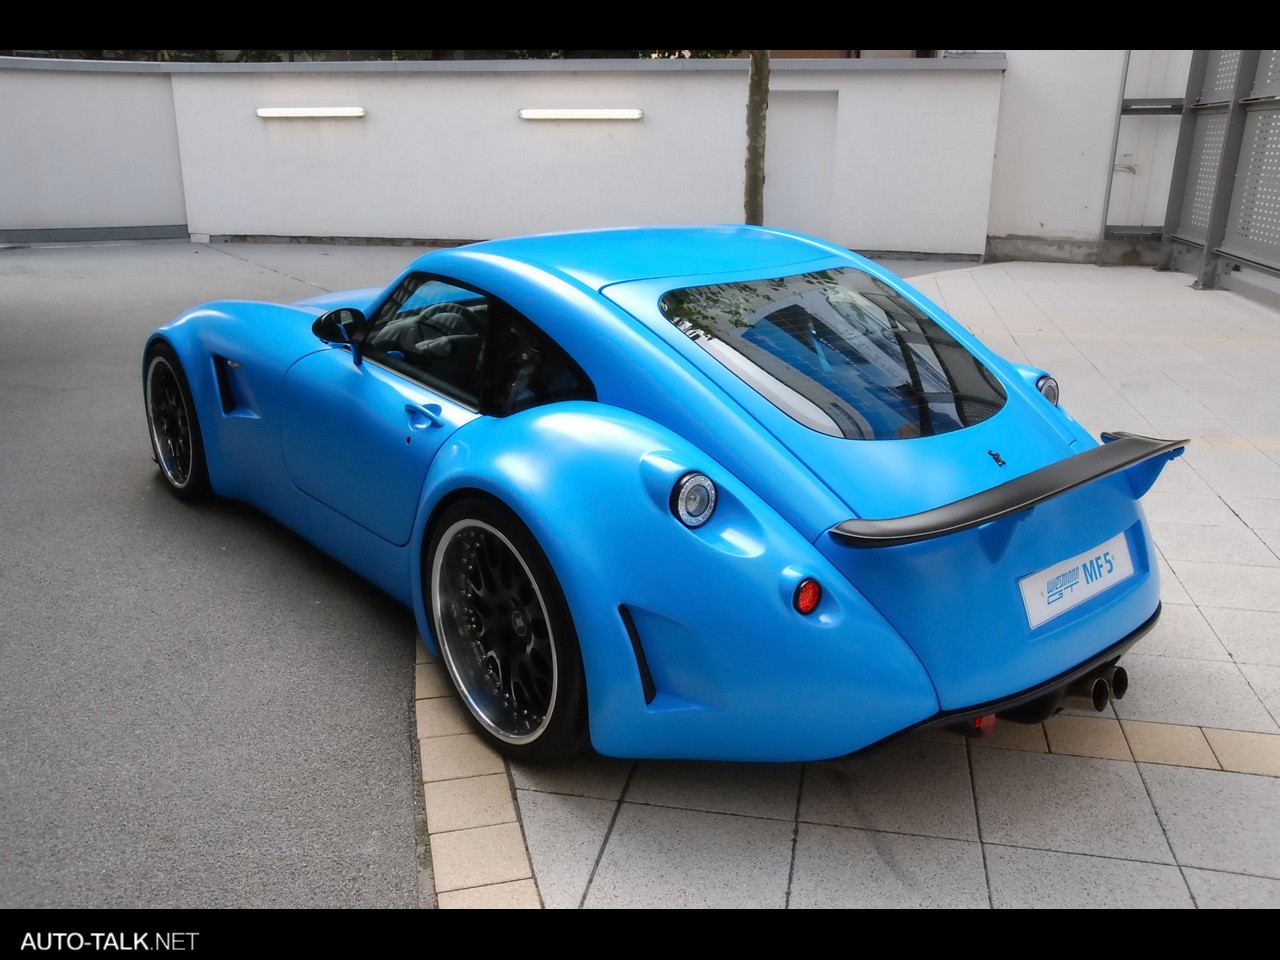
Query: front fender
x=689 y=639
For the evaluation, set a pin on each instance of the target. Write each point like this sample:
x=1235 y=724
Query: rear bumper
x=1049 y=689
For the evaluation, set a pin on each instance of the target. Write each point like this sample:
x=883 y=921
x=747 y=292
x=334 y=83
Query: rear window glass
x=840 y=352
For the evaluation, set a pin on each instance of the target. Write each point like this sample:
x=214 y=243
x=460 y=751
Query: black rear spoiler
x=1119 y=451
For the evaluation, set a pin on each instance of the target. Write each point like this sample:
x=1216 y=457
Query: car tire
x=173 y=425
x=504 y=631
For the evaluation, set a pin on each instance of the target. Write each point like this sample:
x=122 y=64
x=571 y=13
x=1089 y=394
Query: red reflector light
x=808 y=594
x=984 y=725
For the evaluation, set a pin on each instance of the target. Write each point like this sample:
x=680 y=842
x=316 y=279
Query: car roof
x=598 y=258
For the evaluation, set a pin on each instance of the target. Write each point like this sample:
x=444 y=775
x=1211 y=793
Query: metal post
x=1210 y=262
x=1111 y=166
x=1182 y=157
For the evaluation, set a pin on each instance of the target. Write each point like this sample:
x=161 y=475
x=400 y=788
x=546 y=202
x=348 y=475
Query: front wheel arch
x=173 y=423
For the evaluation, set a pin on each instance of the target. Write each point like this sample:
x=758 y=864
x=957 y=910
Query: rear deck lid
x=893 y=405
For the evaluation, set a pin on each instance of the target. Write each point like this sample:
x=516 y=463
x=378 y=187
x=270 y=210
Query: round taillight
x=694 y=499
x=1049 y=387
x=808 y=595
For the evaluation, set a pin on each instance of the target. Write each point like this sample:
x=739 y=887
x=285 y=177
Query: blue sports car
x=686 y=492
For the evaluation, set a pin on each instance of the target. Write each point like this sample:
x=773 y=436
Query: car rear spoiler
x=1119 y=451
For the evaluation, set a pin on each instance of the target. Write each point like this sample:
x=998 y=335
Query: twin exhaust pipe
x=1098 y=688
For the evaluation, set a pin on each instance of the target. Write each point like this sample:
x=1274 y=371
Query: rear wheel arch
x=503 y=627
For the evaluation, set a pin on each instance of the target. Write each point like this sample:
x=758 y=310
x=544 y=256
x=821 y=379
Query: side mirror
x=345 y=326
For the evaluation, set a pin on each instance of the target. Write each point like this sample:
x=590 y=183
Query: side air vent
x=642 y=664
x=225 y=393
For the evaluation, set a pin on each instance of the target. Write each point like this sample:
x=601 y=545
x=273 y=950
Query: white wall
x=1054 y=148
x=911 y=158
x=88 y=150
x=444 y=155
x=926 y=156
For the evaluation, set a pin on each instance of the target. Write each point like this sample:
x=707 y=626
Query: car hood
x=362 y=299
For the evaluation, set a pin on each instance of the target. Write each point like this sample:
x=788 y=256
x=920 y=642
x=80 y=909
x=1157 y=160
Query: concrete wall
x=881 y=154
x=88 y=149
x=908 y=153
x=949 y=156
x=1053 y=151
x=443 y=154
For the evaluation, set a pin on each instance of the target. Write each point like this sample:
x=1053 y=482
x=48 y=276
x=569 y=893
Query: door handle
x=424 y=415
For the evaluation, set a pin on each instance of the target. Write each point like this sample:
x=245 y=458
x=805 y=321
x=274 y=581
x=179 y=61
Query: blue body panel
x=340 y=452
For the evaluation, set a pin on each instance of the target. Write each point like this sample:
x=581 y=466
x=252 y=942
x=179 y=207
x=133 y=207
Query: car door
x=359 y=437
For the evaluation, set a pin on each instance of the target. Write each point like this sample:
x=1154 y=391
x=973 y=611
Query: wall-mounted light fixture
x=289 y=113
x=583 y=113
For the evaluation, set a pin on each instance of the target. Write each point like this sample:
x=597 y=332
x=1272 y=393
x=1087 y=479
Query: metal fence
x=1224 y=202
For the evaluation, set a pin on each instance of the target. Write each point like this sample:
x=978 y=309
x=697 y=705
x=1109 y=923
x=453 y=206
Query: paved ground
x=197 y=709
x=201 y=710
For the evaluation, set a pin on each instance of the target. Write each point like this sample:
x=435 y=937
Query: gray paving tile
x=1234 y=544
x=767 y=790
x=1237 y=485
x=1218 y=820
x=1160 y=399
x=663 y=857
x=1265 y=681
x=1201 y=693
x=1226 y=891
x=1271 y=537
x=565 y=836
x=584 y=776
x=1202 y=509
x=1024 y=879
x=1180 y=477
x=1067 y=804
x=1171 y=588
x=1230 y=584
x=1182 y=631
x=1260 y=513
x=914 y=786
x=841 y=868
x=1210 y=460
x=1178 y=427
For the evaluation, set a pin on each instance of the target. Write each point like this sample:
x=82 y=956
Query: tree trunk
x=757 y=105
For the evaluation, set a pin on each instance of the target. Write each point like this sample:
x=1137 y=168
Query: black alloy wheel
x=173 y=425
x=505 y=633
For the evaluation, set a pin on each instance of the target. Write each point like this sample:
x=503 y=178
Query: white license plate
x=1055 y=590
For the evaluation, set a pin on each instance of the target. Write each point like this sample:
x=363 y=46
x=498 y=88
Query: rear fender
x=688 y=637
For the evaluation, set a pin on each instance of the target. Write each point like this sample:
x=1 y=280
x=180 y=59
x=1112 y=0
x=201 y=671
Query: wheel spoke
x=170 y=423
x=494 y=631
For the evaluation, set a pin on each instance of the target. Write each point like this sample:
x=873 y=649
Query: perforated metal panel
x=1226 y=191
x=1266 y=83
x=1253 y=225
x=1220 y=76
x=1202 y=176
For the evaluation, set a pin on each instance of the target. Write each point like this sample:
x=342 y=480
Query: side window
x=472 y=347
x=526 y=368
x=435 y=333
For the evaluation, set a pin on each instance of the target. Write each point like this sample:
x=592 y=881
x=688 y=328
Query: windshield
x=840 y=352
